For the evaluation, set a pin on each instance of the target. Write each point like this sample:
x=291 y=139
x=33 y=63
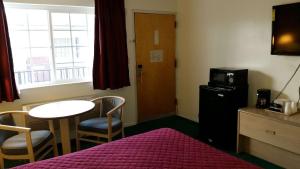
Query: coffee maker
x=263 y=98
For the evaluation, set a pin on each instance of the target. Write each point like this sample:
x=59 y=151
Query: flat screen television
x=286 y=30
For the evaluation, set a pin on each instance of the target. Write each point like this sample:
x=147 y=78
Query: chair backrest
x=6 y=119
x=107 y=103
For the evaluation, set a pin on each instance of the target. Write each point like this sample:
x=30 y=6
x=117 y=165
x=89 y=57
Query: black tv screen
x=286 y=30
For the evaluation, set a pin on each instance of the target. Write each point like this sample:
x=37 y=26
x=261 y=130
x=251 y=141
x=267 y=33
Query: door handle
x=271 y=132
x=139 y=66
x=139 y=71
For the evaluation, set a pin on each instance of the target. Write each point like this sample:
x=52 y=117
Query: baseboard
x=187 y=118
x=158 y=117
x=130 y=124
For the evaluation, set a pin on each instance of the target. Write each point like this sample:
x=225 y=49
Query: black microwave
x=228 y=77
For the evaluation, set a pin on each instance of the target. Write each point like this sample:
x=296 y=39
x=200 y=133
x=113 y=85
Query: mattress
x=162 y=148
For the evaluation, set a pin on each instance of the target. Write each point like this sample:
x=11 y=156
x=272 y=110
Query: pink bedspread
x=163 y=148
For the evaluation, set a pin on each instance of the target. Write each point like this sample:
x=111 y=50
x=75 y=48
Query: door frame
x=133 y=40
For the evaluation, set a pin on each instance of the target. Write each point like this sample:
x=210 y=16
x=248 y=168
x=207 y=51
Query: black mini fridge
x=218 y=112
x=219 y=101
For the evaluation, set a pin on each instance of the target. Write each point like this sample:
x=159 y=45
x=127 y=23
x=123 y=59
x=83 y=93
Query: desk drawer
x=269 y=131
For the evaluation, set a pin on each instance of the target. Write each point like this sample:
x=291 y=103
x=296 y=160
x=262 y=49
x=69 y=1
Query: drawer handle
x=221 y=95
x=271 y=132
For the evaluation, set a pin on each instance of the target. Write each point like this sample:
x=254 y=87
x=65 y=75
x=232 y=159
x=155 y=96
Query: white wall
x=211 y=33
x=234 y=33
x=82 y=89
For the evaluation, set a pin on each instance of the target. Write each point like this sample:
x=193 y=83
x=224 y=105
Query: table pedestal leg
x=51 y=127
x=65 y=135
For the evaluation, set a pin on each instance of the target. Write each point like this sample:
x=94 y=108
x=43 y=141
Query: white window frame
x=54 y=9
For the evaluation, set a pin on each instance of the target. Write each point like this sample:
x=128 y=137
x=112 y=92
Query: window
x=51 y=44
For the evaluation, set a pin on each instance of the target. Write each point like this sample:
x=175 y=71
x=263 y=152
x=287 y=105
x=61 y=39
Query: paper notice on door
x=156 y=56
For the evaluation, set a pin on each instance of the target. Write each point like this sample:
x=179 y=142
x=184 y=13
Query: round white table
x=62 y=110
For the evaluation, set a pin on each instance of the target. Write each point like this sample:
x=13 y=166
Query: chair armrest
x=24 y=114
x=15 y=128
x=114 y=109
x=109 y=117
x=18 y=129
x=105 y=97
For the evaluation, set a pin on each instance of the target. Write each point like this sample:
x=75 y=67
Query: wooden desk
x=62 y=110
x=270 y=135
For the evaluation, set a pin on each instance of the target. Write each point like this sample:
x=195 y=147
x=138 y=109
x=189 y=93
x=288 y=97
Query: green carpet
x=175 y=122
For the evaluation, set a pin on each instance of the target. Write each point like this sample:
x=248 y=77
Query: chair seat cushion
x=100 y=125
x=17 y=145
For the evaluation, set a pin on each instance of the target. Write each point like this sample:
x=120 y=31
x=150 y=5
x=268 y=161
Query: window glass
x=38 y=20
x=39 y=38
x=78 y=21
x=62 y=38
x=20 y=58
x=17 y=19
x=80 y=54
x=50 y=47
x=19 y=39
x=60 y=21
x=79 y=38
x=63 y=55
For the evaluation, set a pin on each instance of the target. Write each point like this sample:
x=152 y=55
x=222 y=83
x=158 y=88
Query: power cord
x=288 y=84
x=298 y=97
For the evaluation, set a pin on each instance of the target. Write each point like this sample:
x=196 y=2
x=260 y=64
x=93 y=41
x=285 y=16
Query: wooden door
x=155 y=61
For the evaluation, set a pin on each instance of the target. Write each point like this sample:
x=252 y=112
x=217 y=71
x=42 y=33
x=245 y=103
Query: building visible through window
x=51 y=44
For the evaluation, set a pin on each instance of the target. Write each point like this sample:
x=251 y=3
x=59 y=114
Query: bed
x=162 y=148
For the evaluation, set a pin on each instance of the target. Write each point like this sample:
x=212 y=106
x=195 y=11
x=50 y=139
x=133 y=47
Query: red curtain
x=110 y=69
x=8 y=89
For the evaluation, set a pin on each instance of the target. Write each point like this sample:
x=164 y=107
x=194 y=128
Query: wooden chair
x=108 y=123
x=20 y=142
